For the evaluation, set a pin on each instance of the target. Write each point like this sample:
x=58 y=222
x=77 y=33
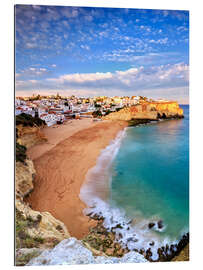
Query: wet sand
x=61 y=165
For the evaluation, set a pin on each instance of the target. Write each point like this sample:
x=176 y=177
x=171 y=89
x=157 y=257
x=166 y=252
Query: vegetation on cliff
x=28 y=133
x=27 y=120
x=35 y=230
x=23 y=238
x=20 y=152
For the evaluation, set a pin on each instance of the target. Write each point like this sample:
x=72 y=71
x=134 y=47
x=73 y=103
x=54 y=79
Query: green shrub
x=20 y=152
x=107 y=112
x=39 y=239
x=23 y=259
x=27 y=120
x=97 y=113
x=29 y=242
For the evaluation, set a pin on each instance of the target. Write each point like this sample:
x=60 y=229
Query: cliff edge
x=35 y=231
x=148 y=111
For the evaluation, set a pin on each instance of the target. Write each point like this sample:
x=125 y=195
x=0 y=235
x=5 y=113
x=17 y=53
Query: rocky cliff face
x=29 y=136
x=148 y=110
x=35 y=230
x=25 y=174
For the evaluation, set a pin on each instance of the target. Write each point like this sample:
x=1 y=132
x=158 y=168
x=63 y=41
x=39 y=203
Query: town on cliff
x=55 y=109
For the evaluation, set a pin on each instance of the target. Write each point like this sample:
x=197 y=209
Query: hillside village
x=55 y=109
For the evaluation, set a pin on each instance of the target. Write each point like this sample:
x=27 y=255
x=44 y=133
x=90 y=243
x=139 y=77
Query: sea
x=142 y=178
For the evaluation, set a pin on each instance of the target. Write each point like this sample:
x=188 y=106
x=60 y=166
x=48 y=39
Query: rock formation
x=25 y=174
x=35 y=230
x=149 y=111
x=29 y=136
x=72 y=251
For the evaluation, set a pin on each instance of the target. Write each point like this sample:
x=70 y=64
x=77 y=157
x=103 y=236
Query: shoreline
x=61 y=166
x=80 y=223
x=93 y=194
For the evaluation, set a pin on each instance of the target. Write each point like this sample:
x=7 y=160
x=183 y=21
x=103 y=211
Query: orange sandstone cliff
x=148 y=110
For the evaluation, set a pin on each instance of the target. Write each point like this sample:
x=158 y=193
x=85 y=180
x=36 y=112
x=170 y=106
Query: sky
x=102 y=52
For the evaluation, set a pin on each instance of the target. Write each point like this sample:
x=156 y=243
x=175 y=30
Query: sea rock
x=160 y=224
x=71 y=251
x=151 y=225
x=151 y=243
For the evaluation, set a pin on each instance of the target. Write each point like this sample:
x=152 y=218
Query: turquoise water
x=143 y=177
x=150 y=176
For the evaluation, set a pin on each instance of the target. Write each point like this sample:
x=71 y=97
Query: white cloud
x=159 y=41
x=182 y=28
x=31 y=45
x=85 y=47
x=33 y=72
x=133 y=80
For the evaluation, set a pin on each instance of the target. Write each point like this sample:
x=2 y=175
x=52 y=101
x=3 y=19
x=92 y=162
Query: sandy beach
x=58 y=133
x=61 y=165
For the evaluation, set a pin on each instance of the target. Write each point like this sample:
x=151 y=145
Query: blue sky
x=102 y=51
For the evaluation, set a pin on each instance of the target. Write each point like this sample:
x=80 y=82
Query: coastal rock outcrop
x=29 y=136
x=149 y=111
x=42 y=224
x=72 y=251
x=25 y=174
x=35 y=231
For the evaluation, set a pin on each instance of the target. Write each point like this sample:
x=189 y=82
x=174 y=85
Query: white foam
x=95 y=194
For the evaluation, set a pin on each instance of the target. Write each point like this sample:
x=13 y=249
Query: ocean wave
x=134 y=234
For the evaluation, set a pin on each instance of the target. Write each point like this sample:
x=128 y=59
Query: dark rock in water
x=130 y=239
x=183 y=242
x=151 y=243
x=129 y=222
x=161 y=255
x=148 y=253
x=118 y=226
x=172 y=248
x=141 y=251
x=151 y=225
x=89 y=214
x=160 y=224
x=167 y=248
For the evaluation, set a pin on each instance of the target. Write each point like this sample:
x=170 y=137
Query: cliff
x=25 y=174
x=148 y=111
x=35 y=230
x=29 y=136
